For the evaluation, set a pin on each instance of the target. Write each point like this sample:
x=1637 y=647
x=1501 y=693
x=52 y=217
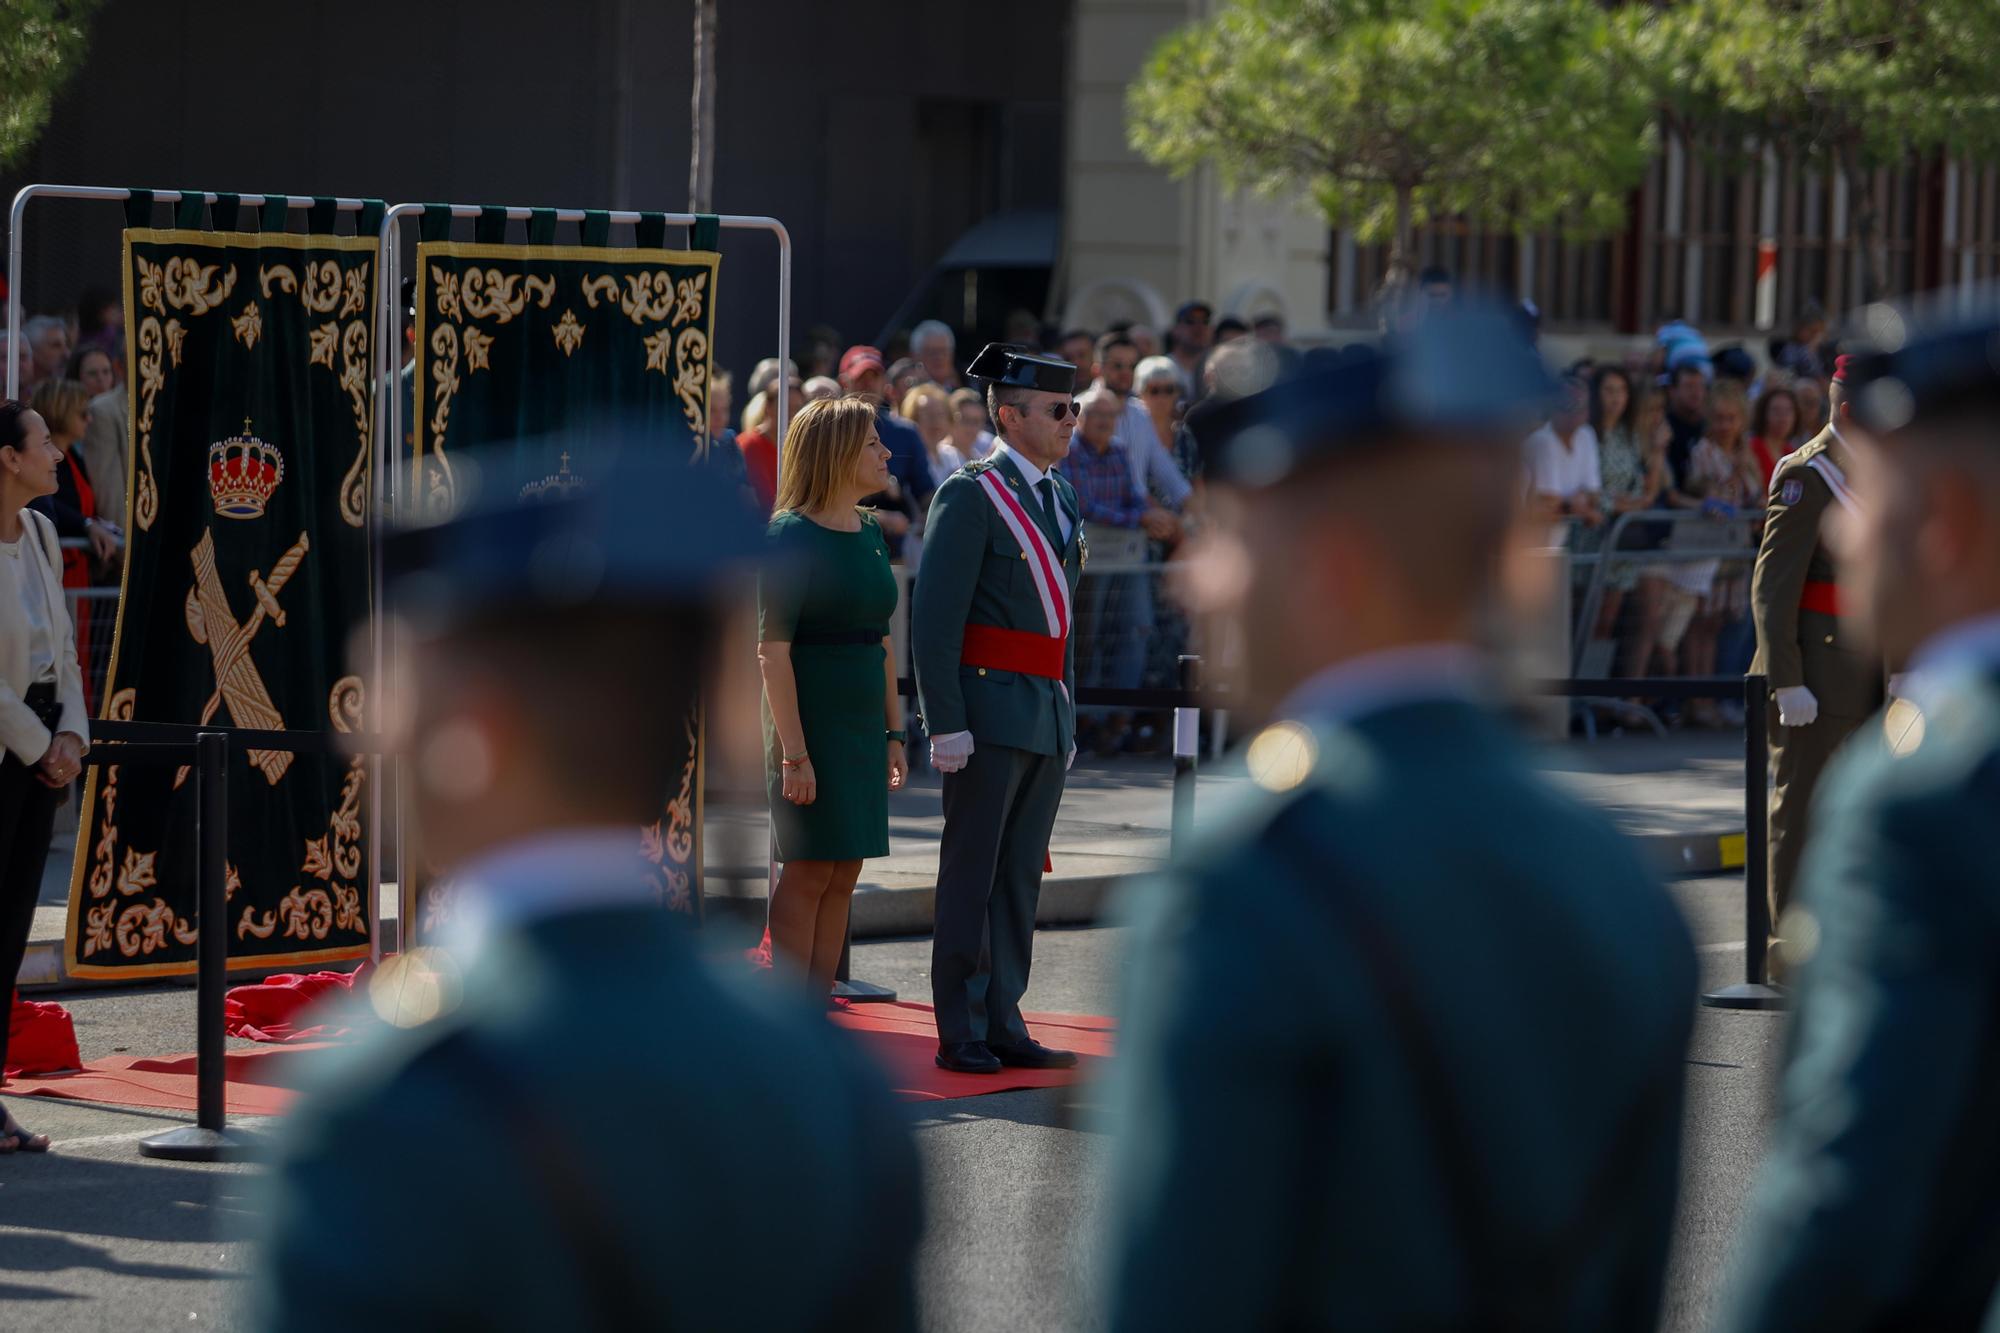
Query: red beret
x=1840 y=365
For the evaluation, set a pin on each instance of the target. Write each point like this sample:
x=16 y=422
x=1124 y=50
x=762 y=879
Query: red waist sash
x=999 y=649
x=1821 y=597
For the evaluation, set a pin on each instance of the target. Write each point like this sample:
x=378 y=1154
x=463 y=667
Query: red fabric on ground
x=257 y=1082
x=40 y=1038
x=902 y=1038
x=270 y=1010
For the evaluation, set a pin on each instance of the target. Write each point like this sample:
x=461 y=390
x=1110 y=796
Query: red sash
x=1821 y=597
x=1020 y=650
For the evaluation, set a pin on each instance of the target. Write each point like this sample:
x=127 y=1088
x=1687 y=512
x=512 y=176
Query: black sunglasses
x=1057 y=411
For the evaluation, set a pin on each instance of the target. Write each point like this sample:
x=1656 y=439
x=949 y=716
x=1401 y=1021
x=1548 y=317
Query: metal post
x=1755 y=991
x=208 y=1140
x=1187 y=745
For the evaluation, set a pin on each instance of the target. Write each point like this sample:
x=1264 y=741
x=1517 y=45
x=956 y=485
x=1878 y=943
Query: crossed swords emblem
x=237 y=683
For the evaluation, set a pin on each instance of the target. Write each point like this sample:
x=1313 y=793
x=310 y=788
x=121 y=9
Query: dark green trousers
x=998 y=813
x=1799 y=755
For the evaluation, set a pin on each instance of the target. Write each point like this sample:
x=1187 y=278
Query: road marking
x=1734 y=946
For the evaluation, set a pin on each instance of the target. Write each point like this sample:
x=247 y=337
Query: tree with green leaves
x=1843 y=86
x=42 y=44
x=1392 y=112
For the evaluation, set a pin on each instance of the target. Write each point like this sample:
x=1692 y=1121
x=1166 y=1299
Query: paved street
x=94 y=1237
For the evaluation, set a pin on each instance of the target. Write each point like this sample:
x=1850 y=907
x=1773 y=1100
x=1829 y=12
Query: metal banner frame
x=388 y=460
x=16 y=222
x=386 y=457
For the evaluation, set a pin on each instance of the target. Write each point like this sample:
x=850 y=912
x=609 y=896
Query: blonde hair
x=821 y=447
x=758 y=414
x=56 y=400
x=1727 y=393
x=914 y=400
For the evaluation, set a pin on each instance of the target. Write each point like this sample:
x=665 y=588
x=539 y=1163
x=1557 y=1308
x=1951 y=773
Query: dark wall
x=874 y=131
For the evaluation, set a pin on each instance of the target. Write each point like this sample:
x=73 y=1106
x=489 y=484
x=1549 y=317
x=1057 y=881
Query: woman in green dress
x=833 y=737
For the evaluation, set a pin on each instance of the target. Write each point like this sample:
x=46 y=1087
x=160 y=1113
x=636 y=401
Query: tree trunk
x=1867 y=228
x=1406 y=236
x=701 y=157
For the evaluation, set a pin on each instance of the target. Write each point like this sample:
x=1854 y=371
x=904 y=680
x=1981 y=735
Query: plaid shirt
x=1103 y=482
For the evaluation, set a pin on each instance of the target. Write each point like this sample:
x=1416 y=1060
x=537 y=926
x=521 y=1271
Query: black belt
x=41 y=700
x=839 y=638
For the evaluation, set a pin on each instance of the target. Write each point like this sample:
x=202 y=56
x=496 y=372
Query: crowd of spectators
x=1684 y=439
x=70 y=369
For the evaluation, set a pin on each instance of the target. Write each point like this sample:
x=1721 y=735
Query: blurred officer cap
x=1466 y=370
x=1926 y=362
x=630 y=526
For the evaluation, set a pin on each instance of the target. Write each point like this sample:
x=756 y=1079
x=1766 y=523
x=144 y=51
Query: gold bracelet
x=788 y=762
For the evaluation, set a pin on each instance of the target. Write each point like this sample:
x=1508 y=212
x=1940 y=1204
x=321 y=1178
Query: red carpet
x=259 y=1082
x=903 y=1040
x=899 y=1037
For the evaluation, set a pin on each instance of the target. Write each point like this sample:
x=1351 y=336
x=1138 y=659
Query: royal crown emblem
x=243 y=471
x=555 y=487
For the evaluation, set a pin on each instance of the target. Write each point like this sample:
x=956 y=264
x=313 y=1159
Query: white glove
x=1897 y=683
x=1069 y=760
x=1797 y=707
x=949 y=753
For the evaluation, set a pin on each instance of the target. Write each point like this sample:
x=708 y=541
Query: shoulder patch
x=1792 y=491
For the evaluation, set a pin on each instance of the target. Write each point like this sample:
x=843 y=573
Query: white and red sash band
x=1045 y=565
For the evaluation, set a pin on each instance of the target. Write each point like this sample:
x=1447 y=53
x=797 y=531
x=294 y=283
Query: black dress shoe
x=1032 y=1055
x=966 y=1057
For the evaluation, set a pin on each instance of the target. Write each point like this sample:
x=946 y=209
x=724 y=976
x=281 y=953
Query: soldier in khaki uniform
x=1824 y=684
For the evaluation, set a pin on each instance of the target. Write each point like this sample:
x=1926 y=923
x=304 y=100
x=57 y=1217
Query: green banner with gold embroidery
x=530 y=360
x=247 y=566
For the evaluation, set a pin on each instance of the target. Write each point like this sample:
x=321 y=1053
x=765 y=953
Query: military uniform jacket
x=975 y=571
x=1283 y=1156
x=1801 y=645
x=1879 y=1202
x=599 y=1092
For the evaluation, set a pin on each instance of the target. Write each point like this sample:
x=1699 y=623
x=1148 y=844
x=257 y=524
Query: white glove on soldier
x=949 y=753
x=1797 y=707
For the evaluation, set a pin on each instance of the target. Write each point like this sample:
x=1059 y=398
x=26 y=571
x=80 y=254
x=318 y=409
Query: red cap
x=859 y=359
x=1840 y=365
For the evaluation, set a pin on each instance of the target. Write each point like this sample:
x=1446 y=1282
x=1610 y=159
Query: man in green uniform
x=580 y=1124
x=1823 y=685
x=990 y=637
x=1403 y=1041
x=1879 y=1204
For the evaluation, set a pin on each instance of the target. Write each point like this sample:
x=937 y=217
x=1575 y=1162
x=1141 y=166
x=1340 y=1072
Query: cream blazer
x=20 y=730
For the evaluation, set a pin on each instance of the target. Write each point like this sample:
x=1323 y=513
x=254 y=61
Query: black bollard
x=208 y=1139
x=1187 y=746
x=1755 y=990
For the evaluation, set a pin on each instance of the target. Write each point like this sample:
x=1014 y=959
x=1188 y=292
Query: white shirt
x=1350 y=690
x=949 y=460
x=1968 y=647
x=22 y=584
x=1563 y=473
x=1154 y=470
x=547 y=875
x=1033 y=476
